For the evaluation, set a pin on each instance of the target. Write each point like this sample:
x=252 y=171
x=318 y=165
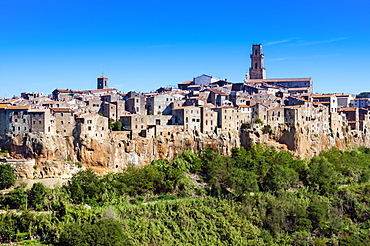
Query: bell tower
x=257 y=69
x=102 y=82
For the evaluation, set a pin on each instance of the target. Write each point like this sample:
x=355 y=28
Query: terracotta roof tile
x=349 y=109
x=61 y=109
x=18 y=107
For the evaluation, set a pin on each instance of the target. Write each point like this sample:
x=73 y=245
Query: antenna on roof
x=102 y=73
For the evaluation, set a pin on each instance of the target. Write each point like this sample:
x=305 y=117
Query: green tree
x=7 y=177
x=85 y=187
x=242 y=181
x=104 y=232
x=16 y=198
x=318 y=211
x=116 y=126
x=279 y=177
x=321 y=175
x=36 y=196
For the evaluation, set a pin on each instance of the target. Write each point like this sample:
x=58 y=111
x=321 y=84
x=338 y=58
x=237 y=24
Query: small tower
x=102 y=82
x=257 y=70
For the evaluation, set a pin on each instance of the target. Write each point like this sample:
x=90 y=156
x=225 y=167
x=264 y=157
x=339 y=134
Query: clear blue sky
x=142 y=45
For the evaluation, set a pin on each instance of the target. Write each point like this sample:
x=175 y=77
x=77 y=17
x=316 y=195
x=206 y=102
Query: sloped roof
x=26 y=107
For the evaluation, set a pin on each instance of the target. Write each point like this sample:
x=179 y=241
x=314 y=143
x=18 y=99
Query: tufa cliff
x=39 y=155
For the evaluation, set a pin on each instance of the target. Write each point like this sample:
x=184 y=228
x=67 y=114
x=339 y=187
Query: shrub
x=7 y=177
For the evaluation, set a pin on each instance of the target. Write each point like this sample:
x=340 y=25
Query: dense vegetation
x=253 y=197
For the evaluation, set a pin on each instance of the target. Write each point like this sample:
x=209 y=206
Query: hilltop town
x=204 y=106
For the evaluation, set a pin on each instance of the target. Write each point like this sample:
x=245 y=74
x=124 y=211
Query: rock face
x=60 y=157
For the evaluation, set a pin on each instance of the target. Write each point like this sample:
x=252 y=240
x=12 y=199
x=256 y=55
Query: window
x=255 y=65
x=40 y=122
x=89 y=128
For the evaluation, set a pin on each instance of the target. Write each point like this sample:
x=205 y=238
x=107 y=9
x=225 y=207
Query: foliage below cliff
x=253 y=197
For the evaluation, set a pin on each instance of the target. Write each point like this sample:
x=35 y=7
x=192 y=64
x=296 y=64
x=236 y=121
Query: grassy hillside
x=254 y=197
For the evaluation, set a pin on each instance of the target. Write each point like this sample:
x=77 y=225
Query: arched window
x=256 y=52
x=255 y=65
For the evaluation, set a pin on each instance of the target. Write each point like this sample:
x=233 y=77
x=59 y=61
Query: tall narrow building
x=257 y=70
x=102 y=82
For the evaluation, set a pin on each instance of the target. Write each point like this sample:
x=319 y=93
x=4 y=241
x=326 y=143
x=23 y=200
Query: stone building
x=41 y=120
x=228 y=119
x=92 y=124
x=257 y=69
x=18 y=119
x=161 y=104
x=64 y=121
x=102 y=82
x=345 y=100
x=329 y=100
x=208 y=119
x=136 y=104
x=275 y=116
x=189 y=116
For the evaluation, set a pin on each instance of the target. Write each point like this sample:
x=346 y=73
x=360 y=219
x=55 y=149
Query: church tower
x=257 y=70
x=102 y=82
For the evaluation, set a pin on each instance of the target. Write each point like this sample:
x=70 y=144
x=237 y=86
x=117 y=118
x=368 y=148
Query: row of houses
x=206 y=105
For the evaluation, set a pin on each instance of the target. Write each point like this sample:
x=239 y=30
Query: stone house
x=258 y=111
x=41 y=120
x=361 y=102
x=357 y=118
x=217 y=97
x=228 y=118
x=94 y=105
x=161 y=104
x=18 y=119
x=245 y=113
x=113 y=110
x=64 y=121
x=345 y=100
x=184 y=85
x=329 y=100
x=204 y=79
x=208 y=119
x=312 y=117
x=275 y=116
x=136 y=104
x=92 y=124
x=3 y=120
x=135 y=122
x=189 y=116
